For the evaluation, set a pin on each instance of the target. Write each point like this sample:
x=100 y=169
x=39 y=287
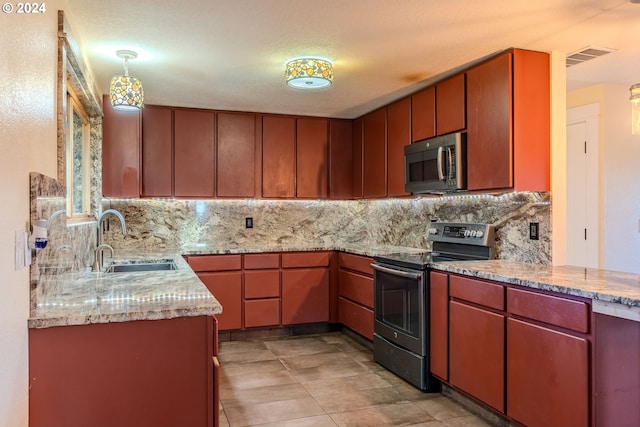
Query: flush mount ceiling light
x=635 y=108
x=126 y=91
x=309 y=73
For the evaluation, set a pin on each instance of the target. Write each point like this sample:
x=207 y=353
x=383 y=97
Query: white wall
x=619 y=175
x=27 y=143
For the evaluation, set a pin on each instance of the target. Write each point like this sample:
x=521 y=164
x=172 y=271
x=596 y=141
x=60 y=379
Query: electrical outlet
x=534 y=231
x=248 y=222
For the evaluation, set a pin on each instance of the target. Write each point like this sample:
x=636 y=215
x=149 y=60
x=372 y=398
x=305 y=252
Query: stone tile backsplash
x=171 y=223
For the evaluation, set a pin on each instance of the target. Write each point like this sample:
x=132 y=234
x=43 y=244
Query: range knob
x=433 y=231
x=467 y=233
x=479 y=233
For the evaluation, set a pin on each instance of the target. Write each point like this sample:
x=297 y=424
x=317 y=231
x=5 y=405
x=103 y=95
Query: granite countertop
x=79 y=298
x=85 y=297
x=601 y=286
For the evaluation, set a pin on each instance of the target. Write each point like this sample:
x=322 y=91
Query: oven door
x=399 y=306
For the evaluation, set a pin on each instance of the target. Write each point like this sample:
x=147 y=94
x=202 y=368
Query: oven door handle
x=406 y=275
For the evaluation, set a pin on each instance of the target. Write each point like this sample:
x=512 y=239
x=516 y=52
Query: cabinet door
x=374 y=176
x=358 y=158
x=312 y=158
x=305 y=295
x=356 y=317
x=547 y=376
x=194 y=153
x=423 y=114
x=261 y=312
x=157 y=151
x=227 y=289
x=489 y=136
x=120 y=152
x=398 y=135
x=439 y=318
x=476 y=353
x=450 y=105
x=340 y=159
x=278 y=156
x=236 y=148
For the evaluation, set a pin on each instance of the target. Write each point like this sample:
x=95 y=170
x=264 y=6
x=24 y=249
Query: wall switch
x=23 y=253
x=248 y=222
x=534 y=231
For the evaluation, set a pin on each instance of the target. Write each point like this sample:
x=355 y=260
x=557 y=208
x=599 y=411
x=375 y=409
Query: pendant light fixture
x=635 y=108
x=126 y=91
x=309 y=73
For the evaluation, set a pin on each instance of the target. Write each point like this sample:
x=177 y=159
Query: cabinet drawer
x=305 y=259
x=549 y=309
x=261 y=312
x=215 y=262
x=256 y=261
x=261 y=284
x=356 y=287
x=356 y=317
x=477 y=291
x=358 y=263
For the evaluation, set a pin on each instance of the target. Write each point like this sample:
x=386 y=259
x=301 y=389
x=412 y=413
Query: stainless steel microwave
x=436 y=165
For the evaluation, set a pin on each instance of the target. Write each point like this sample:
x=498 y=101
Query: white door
x=582 y=187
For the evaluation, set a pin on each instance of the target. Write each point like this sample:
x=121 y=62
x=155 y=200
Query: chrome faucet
x=99 y=253
x=98 y=260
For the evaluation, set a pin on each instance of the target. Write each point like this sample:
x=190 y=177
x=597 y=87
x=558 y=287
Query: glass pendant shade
x=635 y=108
x=309 y=73
x=126 y=91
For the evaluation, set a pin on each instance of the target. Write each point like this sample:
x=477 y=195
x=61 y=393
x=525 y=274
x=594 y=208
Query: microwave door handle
x=440 y=162
x=450 y=161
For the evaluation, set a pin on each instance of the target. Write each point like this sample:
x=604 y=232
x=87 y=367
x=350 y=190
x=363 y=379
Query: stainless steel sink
x=142 y=266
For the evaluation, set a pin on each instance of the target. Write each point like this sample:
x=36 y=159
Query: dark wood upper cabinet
x=423 y=114
x=120 y=152
x=278 y=156
x=450 y=105
x=236 y=143
x=194 y=153
x=340 y=159
x=157 y=151
x=508 y=132
x=358 y=158
x=312 y=158
x=398 y=135
x=374 y=174
x=489 y=155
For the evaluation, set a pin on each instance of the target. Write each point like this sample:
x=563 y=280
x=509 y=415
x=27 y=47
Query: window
x=77 y=159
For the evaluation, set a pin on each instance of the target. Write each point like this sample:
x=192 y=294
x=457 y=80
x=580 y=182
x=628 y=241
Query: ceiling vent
x=586 y=54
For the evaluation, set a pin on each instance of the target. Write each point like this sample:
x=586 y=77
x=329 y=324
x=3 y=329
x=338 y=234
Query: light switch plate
x=20 y=249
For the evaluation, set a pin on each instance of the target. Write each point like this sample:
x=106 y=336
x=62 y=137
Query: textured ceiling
x=230 y=54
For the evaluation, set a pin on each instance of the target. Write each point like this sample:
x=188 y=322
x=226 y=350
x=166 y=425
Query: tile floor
x=323 y=380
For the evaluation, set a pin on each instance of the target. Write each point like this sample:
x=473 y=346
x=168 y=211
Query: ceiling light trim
x=309 y=72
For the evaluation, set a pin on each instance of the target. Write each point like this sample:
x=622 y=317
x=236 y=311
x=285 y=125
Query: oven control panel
x=468 y=233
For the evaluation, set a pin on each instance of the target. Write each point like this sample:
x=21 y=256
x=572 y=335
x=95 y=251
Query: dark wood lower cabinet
x=529 y=354
x=439 y=324
x=227 y=288
x=151 y=373
x=547 y=376
x=476 y=353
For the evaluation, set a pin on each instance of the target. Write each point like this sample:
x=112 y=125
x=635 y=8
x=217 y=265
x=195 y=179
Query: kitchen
x=42 y=159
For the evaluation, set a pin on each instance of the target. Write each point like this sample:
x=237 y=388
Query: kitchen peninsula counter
x=602 y=286
x=85 y=297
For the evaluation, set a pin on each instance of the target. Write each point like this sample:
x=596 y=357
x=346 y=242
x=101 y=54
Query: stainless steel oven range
x=401 y=298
